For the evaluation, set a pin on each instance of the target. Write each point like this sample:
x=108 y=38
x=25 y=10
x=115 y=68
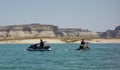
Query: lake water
x=63 y=57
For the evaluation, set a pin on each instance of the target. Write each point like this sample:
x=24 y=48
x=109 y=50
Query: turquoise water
x=63 y=57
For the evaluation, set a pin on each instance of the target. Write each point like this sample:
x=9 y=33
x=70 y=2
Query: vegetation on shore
x=65 y=39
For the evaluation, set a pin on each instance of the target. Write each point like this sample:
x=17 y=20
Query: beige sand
x=105 y=41
x=31 y=41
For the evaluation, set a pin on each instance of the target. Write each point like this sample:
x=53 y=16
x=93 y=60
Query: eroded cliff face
x=111 y=33
x=32 y=30
x=38 y=30
x=77 y=32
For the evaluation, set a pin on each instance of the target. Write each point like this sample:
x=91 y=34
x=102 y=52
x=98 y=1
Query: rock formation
x=39 y=30
x=111 y=33
x=77 y=32
x=31 y=30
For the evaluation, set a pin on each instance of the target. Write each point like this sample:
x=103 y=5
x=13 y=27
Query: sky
x=95 y=15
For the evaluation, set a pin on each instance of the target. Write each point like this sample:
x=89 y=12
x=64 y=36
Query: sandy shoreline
x=32 y=41
x=105 y=41
x=102 y=41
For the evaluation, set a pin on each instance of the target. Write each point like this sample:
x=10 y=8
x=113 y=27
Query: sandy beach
x=32 y=41
x=102 y=41
x=105 y=41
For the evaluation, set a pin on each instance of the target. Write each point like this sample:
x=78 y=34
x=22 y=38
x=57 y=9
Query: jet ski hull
x=31 y=49
x=34 y=48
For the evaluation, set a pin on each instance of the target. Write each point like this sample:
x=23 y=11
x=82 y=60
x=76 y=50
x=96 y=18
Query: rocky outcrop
x=77 y=32
x=38 y=30
x=31 y=30
x=111 y=33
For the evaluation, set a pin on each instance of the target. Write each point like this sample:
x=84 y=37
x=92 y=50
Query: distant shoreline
x=57 y=41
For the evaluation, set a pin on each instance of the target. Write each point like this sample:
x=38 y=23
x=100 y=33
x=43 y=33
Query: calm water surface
x=63 y=57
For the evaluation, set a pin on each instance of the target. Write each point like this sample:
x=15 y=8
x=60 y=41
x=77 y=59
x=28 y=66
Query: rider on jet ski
x=41 y=43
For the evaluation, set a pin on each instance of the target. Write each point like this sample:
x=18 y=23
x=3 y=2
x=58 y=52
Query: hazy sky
x=95 y=15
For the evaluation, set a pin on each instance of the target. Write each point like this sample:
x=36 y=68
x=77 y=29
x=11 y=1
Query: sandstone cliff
x=111 y=33
x=77 y=32
x=38 y=30
x=31 y=30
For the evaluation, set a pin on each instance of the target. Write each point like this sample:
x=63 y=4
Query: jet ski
x=38 y=48
x=86 y=48
x=83 y=47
